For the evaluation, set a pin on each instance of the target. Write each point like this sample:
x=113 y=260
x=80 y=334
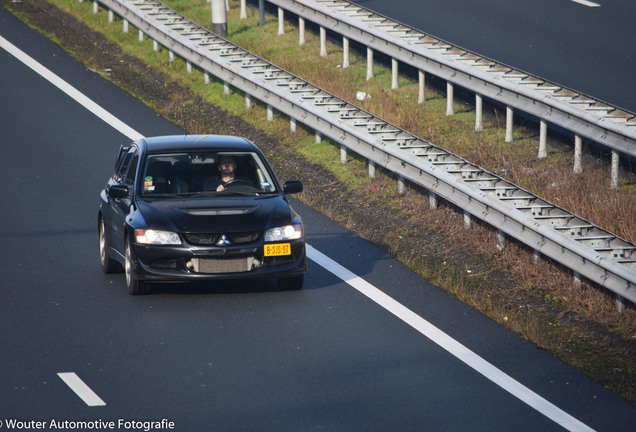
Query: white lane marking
x=70 y=90
x=455 y=348
x=420 y=324
x=81 y=389
x=586 y=3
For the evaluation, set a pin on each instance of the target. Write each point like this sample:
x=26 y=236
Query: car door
x=120 y=207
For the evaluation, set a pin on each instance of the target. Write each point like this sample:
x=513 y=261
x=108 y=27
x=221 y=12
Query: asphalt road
x=588 y=49
x=334 y=356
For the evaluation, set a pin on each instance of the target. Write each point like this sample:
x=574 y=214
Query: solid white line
x=409 y=317
x=455 y=348
x=586 y=3
x=70 y=90
x=81 y=389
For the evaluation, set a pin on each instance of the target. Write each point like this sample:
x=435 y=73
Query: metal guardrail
x=587 y=249
x=582 y=114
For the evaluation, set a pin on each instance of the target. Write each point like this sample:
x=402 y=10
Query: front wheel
x=135 y=286
x=109 y=265
x=291 y=283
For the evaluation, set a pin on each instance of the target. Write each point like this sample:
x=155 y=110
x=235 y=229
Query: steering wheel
x=236 y=182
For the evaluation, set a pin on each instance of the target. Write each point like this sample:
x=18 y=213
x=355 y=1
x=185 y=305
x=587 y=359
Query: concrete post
x=421 y=78
x=543 y=133
x=450 y=98
x=479 y=114
x=301 y=31
x=394 y=74
x=323 y=42
x=369 y=63
x=509 y=121
x=345 y=52
x=578 y=149
x=281 y=21
x=614 y=173
x=243 y=9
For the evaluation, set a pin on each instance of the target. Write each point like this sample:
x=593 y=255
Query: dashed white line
x=586 y=3
x=81 y=389
x=402 y=312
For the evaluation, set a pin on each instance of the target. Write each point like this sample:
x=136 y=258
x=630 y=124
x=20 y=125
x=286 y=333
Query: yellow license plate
x=277 y=249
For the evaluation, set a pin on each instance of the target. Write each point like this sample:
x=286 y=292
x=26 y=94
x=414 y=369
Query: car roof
x=196 y=143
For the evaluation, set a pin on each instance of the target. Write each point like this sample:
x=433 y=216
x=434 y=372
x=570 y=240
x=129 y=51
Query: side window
x=131 y=171
x=120 y=172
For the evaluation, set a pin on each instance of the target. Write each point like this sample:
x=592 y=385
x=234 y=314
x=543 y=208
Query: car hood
x=215 y=214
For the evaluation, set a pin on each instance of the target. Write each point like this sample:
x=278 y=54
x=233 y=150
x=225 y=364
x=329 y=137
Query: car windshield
x=205 y=173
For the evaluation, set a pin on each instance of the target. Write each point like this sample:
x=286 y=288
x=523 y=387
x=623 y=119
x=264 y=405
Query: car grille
x=211 y=239
x=223 y=265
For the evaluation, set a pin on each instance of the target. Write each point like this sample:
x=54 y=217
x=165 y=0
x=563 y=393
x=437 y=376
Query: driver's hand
x=220 y=188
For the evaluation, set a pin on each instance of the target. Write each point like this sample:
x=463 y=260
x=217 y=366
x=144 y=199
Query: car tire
x=293 y=283
x=109 y=265
x=135 y=286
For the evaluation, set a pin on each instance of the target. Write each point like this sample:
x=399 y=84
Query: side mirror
x=118 y=191
x=293 y=186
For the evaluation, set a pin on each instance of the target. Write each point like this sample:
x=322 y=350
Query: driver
x=227 y=166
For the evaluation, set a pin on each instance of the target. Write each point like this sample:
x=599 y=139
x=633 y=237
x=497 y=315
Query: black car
x=183 y=208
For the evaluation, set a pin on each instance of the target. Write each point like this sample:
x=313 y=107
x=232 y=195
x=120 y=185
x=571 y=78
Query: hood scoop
x=226 y=211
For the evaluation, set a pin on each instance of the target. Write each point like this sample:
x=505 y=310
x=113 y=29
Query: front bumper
x=156 y=263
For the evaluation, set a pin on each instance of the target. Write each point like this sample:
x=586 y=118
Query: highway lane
x=233 y=356
x=589 y=49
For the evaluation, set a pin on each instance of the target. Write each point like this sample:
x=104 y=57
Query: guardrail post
x=206 y=78
x=543 y=132
x=261 y=12
x=432 y=200
x=155 y=46
x=450 y=109
x=401 y=186
x=369 y=63
x=95 y=7
x=323 y=42
x=509 y=121
x=292 y=124
x=394 y=73
x=614 y=173
x=248 y=101
x=345 y=52
x=501 y=240
x=125 y=28
x=577 y=280
x=226 y=88
x=281 y=21
x=270 y=112
x=188 y=67
x=318 y=137
x=479 y=118
x=243 y=9
x=301 y=31
x=536 y=257
x=467 y=220
x=343 y=154
x=140 y=36
x=371 y=169
x=421 y=79
x=620 y=303
x=111 y=16
x=171 y=56
x=578 y=147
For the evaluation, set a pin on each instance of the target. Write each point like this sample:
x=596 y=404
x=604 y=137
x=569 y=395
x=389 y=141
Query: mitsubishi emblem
x=223 y=241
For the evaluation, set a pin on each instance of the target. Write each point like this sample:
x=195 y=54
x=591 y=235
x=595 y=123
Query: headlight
x=157 y=237
x=289 y=232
